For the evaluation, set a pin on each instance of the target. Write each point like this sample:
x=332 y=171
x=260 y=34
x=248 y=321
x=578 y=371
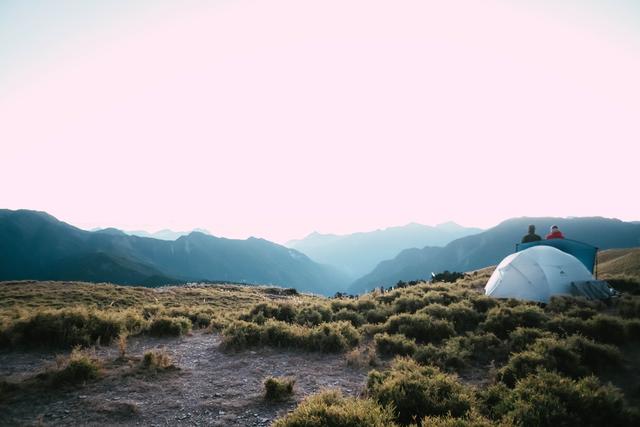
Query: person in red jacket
x=555 y=233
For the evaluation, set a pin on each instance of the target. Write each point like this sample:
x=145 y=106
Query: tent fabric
x=583 y=251
x=536 y=274
x=592 y=289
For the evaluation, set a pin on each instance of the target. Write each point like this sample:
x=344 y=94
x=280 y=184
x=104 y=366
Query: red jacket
x=555 y=235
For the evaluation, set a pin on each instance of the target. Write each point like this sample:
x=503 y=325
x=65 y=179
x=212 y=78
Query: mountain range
x=491 y=246
x=164 y=234
x=358 y=253
x=35 y=245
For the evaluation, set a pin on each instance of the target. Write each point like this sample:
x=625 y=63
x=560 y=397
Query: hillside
x=204 y=355
x=358 y=253
x=491 y=246
x=619 y=263
x=35 y=245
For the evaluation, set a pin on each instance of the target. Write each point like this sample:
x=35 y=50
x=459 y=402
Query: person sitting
x=531 y=236
x=555 y=233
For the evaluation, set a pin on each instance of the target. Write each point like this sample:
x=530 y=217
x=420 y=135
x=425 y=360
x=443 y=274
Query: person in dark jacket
x=531 y=236
x=555 y=233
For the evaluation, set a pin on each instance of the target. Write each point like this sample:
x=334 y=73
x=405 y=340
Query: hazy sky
x=276 y=118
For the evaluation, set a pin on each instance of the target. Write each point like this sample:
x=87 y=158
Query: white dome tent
x=536 y=274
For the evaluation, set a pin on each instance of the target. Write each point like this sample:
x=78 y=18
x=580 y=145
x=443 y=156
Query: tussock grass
x=157 y=360
x=331 y=408
x=278 y=388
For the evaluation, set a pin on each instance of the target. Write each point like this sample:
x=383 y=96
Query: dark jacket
x=531 y=237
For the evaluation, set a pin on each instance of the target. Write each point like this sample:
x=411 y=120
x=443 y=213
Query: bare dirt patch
x=211 y=387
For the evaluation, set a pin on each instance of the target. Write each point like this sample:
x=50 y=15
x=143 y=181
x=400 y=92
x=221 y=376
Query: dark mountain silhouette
x=35 y=245
x=491 y=246
x=357 y=254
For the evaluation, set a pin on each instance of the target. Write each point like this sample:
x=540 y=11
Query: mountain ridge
x=35 y=245
x=491 y=246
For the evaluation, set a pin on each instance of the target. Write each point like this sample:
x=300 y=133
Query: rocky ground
x=210 y=387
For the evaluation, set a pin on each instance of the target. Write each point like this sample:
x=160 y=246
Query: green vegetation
x=444 y=354
x=37 y=314
x=156 y=360
x=331 y=409
x=278 y=388
x=78 y=368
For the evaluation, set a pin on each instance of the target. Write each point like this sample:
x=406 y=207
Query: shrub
x=472 y=420
x=629 y=307
x=157 y=360
x=416 y=391
x=313 y=315
x=78 y=368
x=122 y=344
x=165 y=326
x=421 y=327
x=362 y=357
x=377 y=315
x=521 y=338
x=463 y=316
x=331 y=409
x=445 y=357
x=443 y=297
x=575 y=356
x=502 y=320
x=263 y=311
x=484 y=303
x=549 y=399
x=64 y=328
x=333 y=337
x=606 y=328
x=564 y=303
x=277 y=389
x=396 y=344
x=240 y=334
x=353 y=317
x=409 y=304
x=494 y=401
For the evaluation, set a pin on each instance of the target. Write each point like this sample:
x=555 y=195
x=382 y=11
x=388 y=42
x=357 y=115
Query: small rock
x=221 y=412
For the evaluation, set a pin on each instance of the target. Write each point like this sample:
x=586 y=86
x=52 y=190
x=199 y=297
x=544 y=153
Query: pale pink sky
x=277 y=118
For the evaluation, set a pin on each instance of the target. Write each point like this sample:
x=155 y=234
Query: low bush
x=502 y=320
x=278 y=388
x=156 y=360
x=521 y=338
x=459 y=352
x=313 y=315
x=240 y=334
x=421 y=327
x=462 y=315
x=471 y=420
x=396 y=344
x=76 y=369
x=362 y=357
x=575 y=356
x=353 y=317
x=333 y=337
x=327 y=337
x=416 y=391
x=332 y=409
x=165 y=326
x=549 y=399
x=64 y=328
x=629 y=307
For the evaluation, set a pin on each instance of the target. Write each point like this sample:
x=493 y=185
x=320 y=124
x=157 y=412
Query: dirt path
x=210 y=388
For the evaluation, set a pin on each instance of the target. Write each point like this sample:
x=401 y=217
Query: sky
x=278 y=118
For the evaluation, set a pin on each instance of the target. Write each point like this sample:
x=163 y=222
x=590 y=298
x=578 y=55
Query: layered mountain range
x=36 y=246
x=491 y=246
